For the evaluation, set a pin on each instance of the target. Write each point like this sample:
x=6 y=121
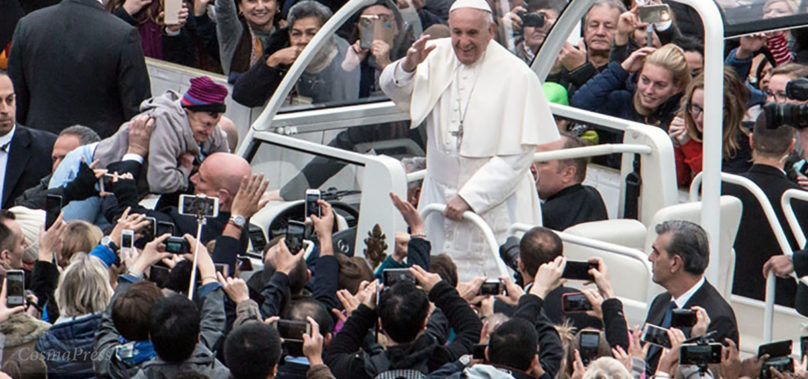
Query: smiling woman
x=652 y=97
x=242 y=40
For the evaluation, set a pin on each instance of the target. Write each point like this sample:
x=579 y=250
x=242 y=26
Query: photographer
x=403 y=311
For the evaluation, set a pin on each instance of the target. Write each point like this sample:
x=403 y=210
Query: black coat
x=755 y=242
x=75 y=63
x=573 y=205
x=28 y=161
x=722 y=317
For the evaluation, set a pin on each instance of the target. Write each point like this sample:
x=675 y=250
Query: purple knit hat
x=204 y=96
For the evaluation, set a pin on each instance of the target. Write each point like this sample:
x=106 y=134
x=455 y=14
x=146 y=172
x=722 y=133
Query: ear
x=791 y=146
x=486 y=354
x=326 y=340
x=676 y=263
x=752 y=142
x=308 y=275
x=225 y=198
x=568 y=173
x=274 y=371
x=5 y=255
x=534 y=364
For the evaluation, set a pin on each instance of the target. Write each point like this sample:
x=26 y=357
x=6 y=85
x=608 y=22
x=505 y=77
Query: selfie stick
x=200 y=221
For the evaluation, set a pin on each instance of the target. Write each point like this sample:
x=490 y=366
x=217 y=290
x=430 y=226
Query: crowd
x=168 y=305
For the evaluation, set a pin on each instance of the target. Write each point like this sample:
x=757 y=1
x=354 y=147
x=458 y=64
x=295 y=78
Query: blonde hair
x=79 y=237
x=83 y=287
x=606 y=368
x=671 y=58
x=736 y=96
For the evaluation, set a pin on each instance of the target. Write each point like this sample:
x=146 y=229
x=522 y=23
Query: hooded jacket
x=67 y=347
x=171 y=137
x=21 y=332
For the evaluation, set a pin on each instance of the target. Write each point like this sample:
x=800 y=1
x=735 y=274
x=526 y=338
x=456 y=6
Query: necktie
x=5 y=146
x=666 y=322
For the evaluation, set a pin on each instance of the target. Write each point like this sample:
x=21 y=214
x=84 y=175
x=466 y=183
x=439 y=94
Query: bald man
x=220 y=175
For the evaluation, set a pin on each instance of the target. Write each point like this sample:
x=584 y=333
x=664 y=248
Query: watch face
x=239 y=220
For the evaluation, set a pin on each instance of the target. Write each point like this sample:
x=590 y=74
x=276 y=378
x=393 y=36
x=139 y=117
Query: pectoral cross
x=458 y=134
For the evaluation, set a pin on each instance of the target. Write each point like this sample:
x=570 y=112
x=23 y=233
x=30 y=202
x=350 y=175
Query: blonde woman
x=650 y=97
x=79 y=237
x=82 y=294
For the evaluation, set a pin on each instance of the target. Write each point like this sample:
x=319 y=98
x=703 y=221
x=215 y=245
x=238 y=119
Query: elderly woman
x=82 y=294
x=324 y=80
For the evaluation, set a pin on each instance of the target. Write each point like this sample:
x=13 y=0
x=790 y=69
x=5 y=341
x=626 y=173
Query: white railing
x=777 y=229
x=478 y=221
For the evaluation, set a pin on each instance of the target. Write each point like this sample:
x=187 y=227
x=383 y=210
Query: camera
x=795 y=115
x=779 y=357
x=700 y=354
x=177 y=245
x=532 y=19
x=509 y=252
x=492 y=287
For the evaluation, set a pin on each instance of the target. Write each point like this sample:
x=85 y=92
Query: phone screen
x=312 y=207
x=394 y=275
x=148 y=231
x=15 y=294
x=294 y=236
x=578 y=270
x=223 y=268
x=656 y=335
x=292 y=331
x=197 y=205
x=127 y=239
x=575 y=302
x=492 y=288
x=53 y=205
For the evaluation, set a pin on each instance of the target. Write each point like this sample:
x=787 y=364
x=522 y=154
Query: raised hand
x=417 y=53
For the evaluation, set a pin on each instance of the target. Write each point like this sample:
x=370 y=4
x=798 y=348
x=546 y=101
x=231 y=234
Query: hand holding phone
x=492 y=287
x=578 y=270
x=575 y=302
x=311 y=205
x=294 y=236
x=656 y=335
x=15 y=288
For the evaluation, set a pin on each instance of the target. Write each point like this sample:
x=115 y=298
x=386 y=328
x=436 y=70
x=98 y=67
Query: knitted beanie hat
x=204 y=96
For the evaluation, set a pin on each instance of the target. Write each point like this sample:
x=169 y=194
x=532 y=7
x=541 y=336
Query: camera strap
x=633 y=182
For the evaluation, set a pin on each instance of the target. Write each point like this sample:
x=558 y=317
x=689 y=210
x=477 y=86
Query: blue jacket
x=67 y=347
x=611 y=92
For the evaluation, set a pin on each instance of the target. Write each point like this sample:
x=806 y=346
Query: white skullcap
x=476 y=4
x=29 y=220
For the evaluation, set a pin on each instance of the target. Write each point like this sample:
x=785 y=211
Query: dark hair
x=690 y=44
x=7 y=237
x=352 y=271
x=402 y=310
x=688 y=241
x=443 y=265
x=85 y=134
x=534 y=5
x=538 y=246
x=298 y=310
x=131 y=310
x=174 y=328
x=513 y=344
x=179 y=276
x=252 y=350
x=771 y=143
x=571 y=141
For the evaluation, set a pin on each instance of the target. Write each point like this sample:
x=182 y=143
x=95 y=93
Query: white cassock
x=484 y=121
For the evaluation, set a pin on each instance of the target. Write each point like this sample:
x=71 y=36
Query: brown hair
x=736 y=96
x=79 y=237
x=352 y=271
x=443 y=265
x=131 y=309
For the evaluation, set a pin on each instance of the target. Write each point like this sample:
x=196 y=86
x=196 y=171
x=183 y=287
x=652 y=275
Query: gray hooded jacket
x=170 y=138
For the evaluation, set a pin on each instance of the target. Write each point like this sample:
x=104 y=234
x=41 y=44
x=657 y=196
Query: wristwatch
x=238 y=220
x=107 y=241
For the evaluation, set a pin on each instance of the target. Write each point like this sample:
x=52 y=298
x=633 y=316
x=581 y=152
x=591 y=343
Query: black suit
x=28 y=161
x=722 y=317
x=75 y=63
x=755 y=242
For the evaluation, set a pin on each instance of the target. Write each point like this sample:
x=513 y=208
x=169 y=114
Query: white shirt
x=6 y=139
x=682 y=300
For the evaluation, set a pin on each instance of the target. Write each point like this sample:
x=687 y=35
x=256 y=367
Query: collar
x=766 y=169
x=567 y=190
x=682 y=300
x=6 y=139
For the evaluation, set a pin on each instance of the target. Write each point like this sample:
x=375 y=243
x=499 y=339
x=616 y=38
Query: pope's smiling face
x=471 y=31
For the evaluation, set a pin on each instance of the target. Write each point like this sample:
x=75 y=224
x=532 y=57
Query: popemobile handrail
x=779 y=234
x=478 y=221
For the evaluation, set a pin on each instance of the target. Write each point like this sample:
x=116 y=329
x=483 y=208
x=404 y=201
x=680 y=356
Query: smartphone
x=105 y=183
x=312 y=207
x=291 y=330
x=578 y=270
x=652 y=14
x=478 y=351
x=147 y=232
x=195 y=206
x=366 y=26
x=590 y=340
x=15 y=291
x=775 y=349
x=782 y=364
x=171 y=11
x=700 y=354
x=575 y=302
x=492 y=287
x=391 y=276
x=681 y=318
x=127 y=239
x=177 y=245
x=53 y=206
x=294 y=236
x=164 y=227
x=656 y=335
x=223 y=268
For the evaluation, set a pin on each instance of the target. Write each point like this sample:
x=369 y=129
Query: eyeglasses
x=777 y=95
x=694 y=109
